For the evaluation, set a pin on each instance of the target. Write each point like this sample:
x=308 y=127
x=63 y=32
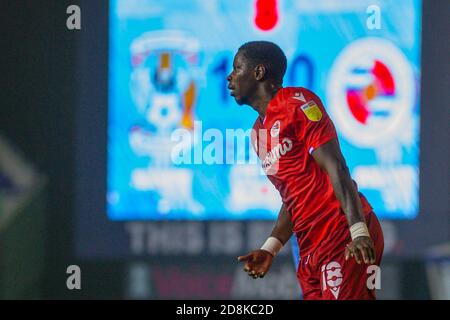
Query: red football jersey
x=295 y=124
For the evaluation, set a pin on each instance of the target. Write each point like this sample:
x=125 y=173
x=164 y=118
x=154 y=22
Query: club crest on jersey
x=275 y=131
x=312 y=111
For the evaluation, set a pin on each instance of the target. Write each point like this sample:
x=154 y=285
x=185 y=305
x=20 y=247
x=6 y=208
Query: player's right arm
x=283 y=227
x=258 y=262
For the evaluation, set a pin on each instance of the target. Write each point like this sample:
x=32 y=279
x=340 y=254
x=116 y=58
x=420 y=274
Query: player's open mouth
x=232 y=90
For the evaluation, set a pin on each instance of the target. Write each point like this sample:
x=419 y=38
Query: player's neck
x=262 y=99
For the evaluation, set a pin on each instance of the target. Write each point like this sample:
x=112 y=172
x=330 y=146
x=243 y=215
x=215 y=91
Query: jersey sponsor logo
x=312 y=111
x=279 y=150
x=332 y=278
x=275 y=131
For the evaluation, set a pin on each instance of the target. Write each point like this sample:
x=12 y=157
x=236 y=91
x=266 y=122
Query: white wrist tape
x=359 y=229
x=272 y=245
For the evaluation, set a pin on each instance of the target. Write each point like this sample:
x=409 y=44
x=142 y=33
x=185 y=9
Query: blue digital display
x=173 y=129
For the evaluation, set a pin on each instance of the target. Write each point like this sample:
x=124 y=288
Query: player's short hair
x=267 y=53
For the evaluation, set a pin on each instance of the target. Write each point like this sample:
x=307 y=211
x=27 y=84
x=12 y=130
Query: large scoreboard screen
x=173 y=129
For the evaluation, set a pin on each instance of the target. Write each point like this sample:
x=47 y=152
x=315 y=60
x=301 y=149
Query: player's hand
x=257 y=263
x=362 y=249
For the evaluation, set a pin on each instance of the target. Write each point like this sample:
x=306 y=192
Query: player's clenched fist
x=362 y=249
x=257 y=263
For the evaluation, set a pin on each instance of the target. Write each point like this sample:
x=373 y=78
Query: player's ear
x=260 y=72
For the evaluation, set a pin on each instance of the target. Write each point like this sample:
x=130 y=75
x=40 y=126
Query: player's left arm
x=330 y=158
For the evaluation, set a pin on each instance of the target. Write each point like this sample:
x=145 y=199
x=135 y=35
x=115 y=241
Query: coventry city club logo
x=165 y=69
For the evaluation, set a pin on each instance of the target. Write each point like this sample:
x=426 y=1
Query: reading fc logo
x=371 y=91
x=275 y=131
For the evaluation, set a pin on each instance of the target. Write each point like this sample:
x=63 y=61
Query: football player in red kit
x=339 y=236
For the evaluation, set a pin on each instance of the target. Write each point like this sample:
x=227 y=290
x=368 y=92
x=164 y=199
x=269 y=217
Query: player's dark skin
x=250 y=84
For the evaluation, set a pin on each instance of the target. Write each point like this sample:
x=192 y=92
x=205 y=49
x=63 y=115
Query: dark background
x=54 y=106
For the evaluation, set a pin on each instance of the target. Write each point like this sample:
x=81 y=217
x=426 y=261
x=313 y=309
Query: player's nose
x=230 y=86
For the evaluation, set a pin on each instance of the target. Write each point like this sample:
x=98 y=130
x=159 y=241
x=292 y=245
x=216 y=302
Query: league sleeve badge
x=312 y=111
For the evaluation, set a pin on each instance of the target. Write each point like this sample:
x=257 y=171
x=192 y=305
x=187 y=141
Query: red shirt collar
x=268 y=106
